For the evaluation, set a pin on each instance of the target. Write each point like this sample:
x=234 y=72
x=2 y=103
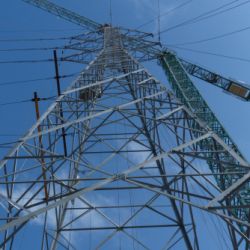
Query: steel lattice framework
x=189 y=95
x=118 y=160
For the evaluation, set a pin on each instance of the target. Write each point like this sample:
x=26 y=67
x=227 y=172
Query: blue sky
x=21 y=21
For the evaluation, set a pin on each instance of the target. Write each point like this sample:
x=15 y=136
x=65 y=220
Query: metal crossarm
x=65 y=14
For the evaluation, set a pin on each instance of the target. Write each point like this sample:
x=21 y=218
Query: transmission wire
x=15 y=102
x=197 y=18
x=32 y=61
x=38 y=30
x=165 y=13
x=159 y=21
x=214 y=37
x=36 y=80
x=223 y=11
x=110 y=12
x=35 y=39
x=26 y=100
x=32 y=49
x=213 y=54
x=26 y=61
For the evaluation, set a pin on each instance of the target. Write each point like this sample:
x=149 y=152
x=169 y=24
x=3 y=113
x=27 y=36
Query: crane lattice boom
x=65 y=14
x=229 y=85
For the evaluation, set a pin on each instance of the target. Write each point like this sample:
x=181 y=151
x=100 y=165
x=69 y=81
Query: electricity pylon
x=121 y=162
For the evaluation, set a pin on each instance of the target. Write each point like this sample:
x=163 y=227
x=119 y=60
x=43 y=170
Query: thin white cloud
x=147 y=10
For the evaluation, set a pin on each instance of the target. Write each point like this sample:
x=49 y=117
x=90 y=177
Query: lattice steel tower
x=121 y=162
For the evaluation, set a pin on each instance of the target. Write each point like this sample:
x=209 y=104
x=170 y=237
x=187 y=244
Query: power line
x=38 y=30
x=14 y=102
x=36 y=80
x=31 y=49
x=214 y=37
x=199 y=17
x=7 y=144
x=223 y=11
x=26 y=81
x=26 y=101
x=35 y=39
x=26 y=61
x=165 y=13
x=159 y=21
x=33 y=61
x=213 y=54
x=9 y=135
x=110 y=12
